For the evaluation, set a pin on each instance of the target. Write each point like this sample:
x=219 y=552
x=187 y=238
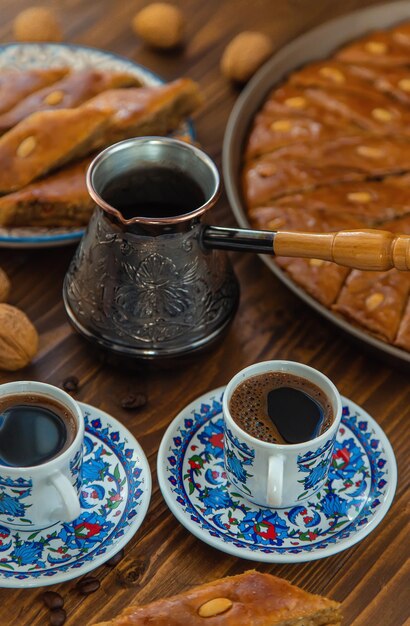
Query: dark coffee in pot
x=281 y=408
x=33 y=429
x=154 y=191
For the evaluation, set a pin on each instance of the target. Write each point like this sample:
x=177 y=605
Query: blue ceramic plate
x=17 y=56
x=115 y=495
x=356 y=497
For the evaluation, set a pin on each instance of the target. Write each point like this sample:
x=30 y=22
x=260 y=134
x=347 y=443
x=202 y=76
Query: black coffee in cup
x=281 y=408
x=33 y=429
x=154 y=191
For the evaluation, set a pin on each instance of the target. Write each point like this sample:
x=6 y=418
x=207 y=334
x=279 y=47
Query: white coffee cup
x=279 y=475
x=36 y=497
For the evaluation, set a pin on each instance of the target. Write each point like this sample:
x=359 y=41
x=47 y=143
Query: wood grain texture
x=371 y=579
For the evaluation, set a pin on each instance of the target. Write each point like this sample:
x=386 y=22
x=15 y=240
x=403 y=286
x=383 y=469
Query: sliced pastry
x=403 y=334
x=272 y=132
x=305 y=166
x=372 y=202
x=248 y=599
x=69 y=92
x=294 y=219
x=60 y=199
x=266 y=180
x=47 y=139
x=17 y=85
x=146 y=111
x=295 y=101
x=370 y=111
x=321 y=279
x=335 y=75
x=386 y=48
x=375 y=300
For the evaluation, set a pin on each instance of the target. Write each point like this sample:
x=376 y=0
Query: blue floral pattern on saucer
x=357 y=494
x=115 y=493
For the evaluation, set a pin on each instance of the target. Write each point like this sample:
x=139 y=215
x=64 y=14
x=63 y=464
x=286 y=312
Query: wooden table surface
x=164 y=558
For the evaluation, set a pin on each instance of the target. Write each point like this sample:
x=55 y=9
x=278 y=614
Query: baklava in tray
x=330 y=149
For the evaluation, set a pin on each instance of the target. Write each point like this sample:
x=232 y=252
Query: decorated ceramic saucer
x=115 y=495
x=356 y=497
x=17 y=56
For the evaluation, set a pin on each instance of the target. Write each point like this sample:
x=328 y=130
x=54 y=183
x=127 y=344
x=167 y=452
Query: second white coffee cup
x=279 y=475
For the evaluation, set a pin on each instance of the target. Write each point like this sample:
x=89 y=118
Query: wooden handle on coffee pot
x=360 y=249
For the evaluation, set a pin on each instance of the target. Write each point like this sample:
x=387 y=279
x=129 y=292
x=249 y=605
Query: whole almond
x=382 y=115
x=370 y=152
x=333 y=74
x=275 y=224
x=376 y=47
x=214 y=607
x=283 y=126
x=26 y=147
x=4 y=286
x=404 y=84
x=54 y=97
x=359 y=197
x=18 y=338
x=373 y=301
x=297 y=102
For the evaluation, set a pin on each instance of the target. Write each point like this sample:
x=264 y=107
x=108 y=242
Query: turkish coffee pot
x=150 y=281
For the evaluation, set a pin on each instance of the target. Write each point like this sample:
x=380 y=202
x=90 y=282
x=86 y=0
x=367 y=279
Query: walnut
x=4 y=286
x=160 y=25
x=37 y=24
x=244 y=55
x=18 y=338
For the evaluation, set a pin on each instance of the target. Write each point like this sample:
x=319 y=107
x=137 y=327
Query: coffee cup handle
x=275 y=481
x=70 y=504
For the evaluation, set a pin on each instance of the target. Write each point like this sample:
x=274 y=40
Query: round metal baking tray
x=317 y=44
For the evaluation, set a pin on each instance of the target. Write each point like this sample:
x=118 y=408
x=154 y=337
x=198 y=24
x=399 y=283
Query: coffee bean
x=116 y=558
x=134 y=401
x=70 y=384
x=88 y=585
x=57 y=617
x=52 y=600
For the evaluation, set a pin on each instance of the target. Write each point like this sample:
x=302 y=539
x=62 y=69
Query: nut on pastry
x=14 y=86
x=71 y=91
x=46 y=140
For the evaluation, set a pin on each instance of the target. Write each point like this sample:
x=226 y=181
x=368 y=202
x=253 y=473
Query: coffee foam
x=249 y=403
